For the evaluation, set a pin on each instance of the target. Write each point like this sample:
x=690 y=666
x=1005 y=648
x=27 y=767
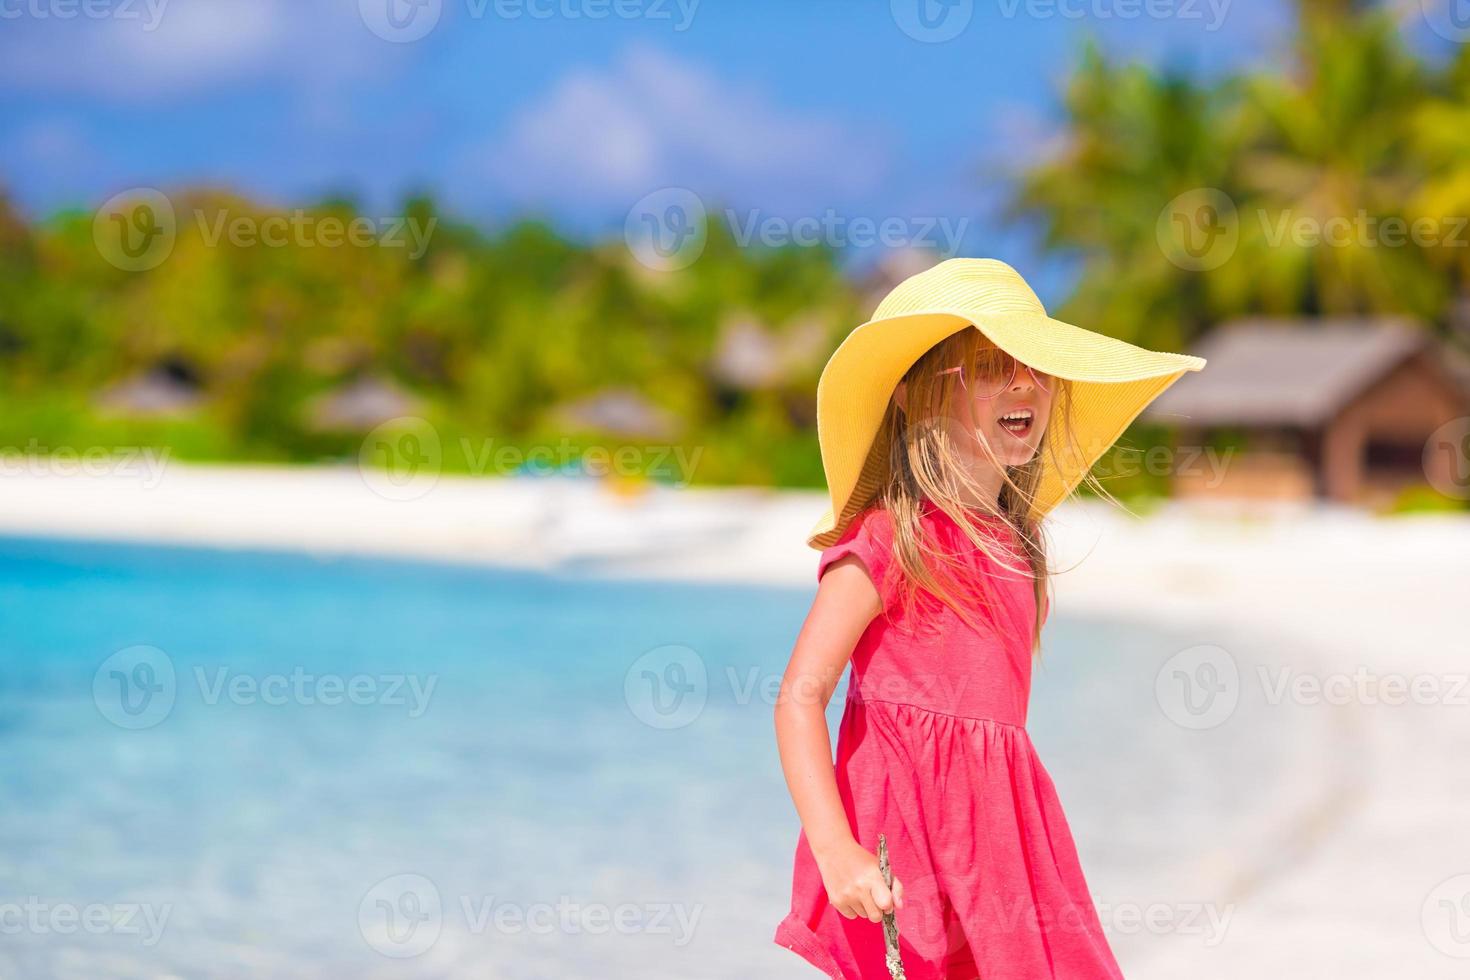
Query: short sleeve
x=870 y=539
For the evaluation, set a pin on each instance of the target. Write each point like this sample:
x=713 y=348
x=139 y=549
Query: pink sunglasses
x=993 y=373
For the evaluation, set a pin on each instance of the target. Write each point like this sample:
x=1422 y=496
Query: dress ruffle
x=992 y=884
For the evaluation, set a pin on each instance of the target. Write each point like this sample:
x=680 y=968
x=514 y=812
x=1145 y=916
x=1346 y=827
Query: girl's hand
x=855 y=885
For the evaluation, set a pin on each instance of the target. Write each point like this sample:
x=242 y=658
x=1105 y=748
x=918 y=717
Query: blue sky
x=775 y=103
x=572 y=109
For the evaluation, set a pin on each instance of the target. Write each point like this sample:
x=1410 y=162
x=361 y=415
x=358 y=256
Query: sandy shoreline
x=1345 y=888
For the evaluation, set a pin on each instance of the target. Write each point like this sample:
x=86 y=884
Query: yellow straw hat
x=1112 y=381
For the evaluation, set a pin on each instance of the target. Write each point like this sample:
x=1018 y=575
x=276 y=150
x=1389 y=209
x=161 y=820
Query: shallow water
x=220 y=764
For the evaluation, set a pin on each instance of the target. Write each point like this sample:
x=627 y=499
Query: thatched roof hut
x=1339 y=409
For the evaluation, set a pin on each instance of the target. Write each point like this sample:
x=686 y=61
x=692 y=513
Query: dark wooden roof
x=1286 y=372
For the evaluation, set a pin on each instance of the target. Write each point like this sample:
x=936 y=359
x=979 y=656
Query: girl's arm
x=846 y=602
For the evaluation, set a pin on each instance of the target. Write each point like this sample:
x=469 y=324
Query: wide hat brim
x=1112 y=381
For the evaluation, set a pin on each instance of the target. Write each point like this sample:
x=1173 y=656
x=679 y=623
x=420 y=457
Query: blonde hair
x=924 y=463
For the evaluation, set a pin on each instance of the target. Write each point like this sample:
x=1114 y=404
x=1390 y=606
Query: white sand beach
x=1364 y=865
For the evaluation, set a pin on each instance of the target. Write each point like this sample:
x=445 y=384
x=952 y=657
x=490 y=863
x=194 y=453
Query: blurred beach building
x=361 y=404
x=1337 y=409
x=171 y=387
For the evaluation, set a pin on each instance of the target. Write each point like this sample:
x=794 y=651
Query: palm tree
x=1327 y=169
x=1440 y=137
x=1280 y=160
x=1134 y=140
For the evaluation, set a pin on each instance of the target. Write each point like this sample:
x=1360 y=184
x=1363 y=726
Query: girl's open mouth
x=1018 y=423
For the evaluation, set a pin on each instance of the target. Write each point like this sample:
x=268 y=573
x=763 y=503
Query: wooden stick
x=890 y=924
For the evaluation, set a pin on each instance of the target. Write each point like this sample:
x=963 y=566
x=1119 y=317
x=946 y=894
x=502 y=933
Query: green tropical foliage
x=1328 y=162
x=501 y=338
x=488 y=336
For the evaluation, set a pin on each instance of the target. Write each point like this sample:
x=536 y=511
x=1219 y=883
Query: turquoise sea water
x=221 y=764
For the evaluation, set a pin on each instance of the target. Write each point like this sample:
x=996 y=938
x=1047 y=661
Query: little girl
x=949 y=425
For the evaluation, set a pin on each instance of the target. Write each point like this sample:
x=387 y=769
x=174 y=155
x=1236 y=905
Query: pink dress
x=933 y=753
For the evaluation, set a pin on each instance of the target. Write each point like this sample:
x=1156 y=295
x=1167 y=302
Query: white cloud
x=156 y=50
x=57 y=147
x=49 y=142
x=610 y=136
